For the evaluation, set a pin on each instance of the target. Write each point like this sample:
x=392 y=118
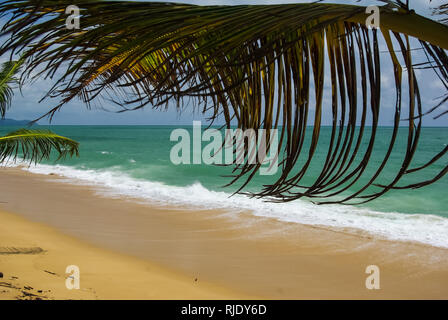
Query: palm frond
x=261 y=66
x=35 y=145
x=8 y=72
x=442 y=10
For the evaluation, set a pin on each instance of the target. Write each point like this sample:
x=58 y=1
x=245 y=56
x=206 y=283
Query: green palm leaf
x=8 y=73
x=35 y=145
x=260 y=66
x=32 y=145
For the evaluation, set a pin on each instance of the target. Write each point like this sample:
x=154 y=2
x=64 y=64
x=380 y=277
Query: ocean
x=134 y=162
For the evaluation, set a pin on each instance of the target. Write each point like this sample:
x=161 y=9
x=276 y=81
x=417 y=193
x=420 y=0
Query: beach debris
x=8 y=285
x=1 y=274
x=24 y=293
x=52 y=273
x=21 y=250
x=28 y=295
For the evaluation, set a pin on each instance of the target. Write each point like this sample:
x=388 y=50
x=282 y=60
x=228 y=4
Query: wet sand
x=229 y=254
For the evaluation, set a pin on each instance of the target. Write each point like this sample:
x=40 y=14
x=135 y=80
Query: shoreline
x=427 y=228
x=254 y=256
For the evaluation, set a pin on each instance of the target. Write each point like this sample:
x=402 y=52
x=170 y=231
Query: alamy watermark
x=72 y=21
x=373 y=280
x=72 y=281
x=229 y=146
x=373 y=20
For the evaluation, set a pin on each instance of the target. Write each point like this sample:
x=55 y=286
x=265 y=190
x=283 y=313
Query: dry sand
x=141 y=251
x=34 y=258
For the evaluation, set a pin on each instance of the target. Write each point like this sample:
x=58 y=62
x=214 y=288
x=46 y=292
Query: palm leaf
x=442 y=10
x=8 y=72
x=35 y=145
x=261 y=66
x=32 y=145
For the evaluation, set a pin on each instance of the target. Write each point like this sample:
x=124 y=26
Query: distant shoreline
x=13 y=122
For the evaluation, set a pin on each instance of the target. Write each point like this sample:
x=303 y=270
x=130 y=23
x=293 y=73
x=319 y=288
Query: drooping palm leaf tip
x=35 y=145
x=31 y=145
x=260 y=67
x=442 y=10
x=8 y=72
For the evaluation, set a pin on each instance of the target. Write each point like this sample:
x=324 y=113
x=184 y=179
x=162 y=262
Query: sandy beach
x=34 y=273
x=130 y=250
x=33 y=260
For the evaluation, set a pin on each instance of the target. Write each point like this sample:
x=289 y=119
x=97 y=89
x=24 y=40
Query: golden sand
x=140 y=251
x=103 y=274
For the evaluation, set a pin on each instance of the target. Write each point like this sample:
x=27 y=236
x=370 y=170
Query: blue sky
x=26 y=106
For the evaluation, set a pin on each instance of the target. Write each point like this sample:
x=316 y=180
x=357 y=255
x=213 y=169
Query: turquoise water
x=134 y=161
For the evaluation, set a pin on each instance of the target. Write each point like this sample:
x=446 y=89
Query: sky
x=26 y=106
